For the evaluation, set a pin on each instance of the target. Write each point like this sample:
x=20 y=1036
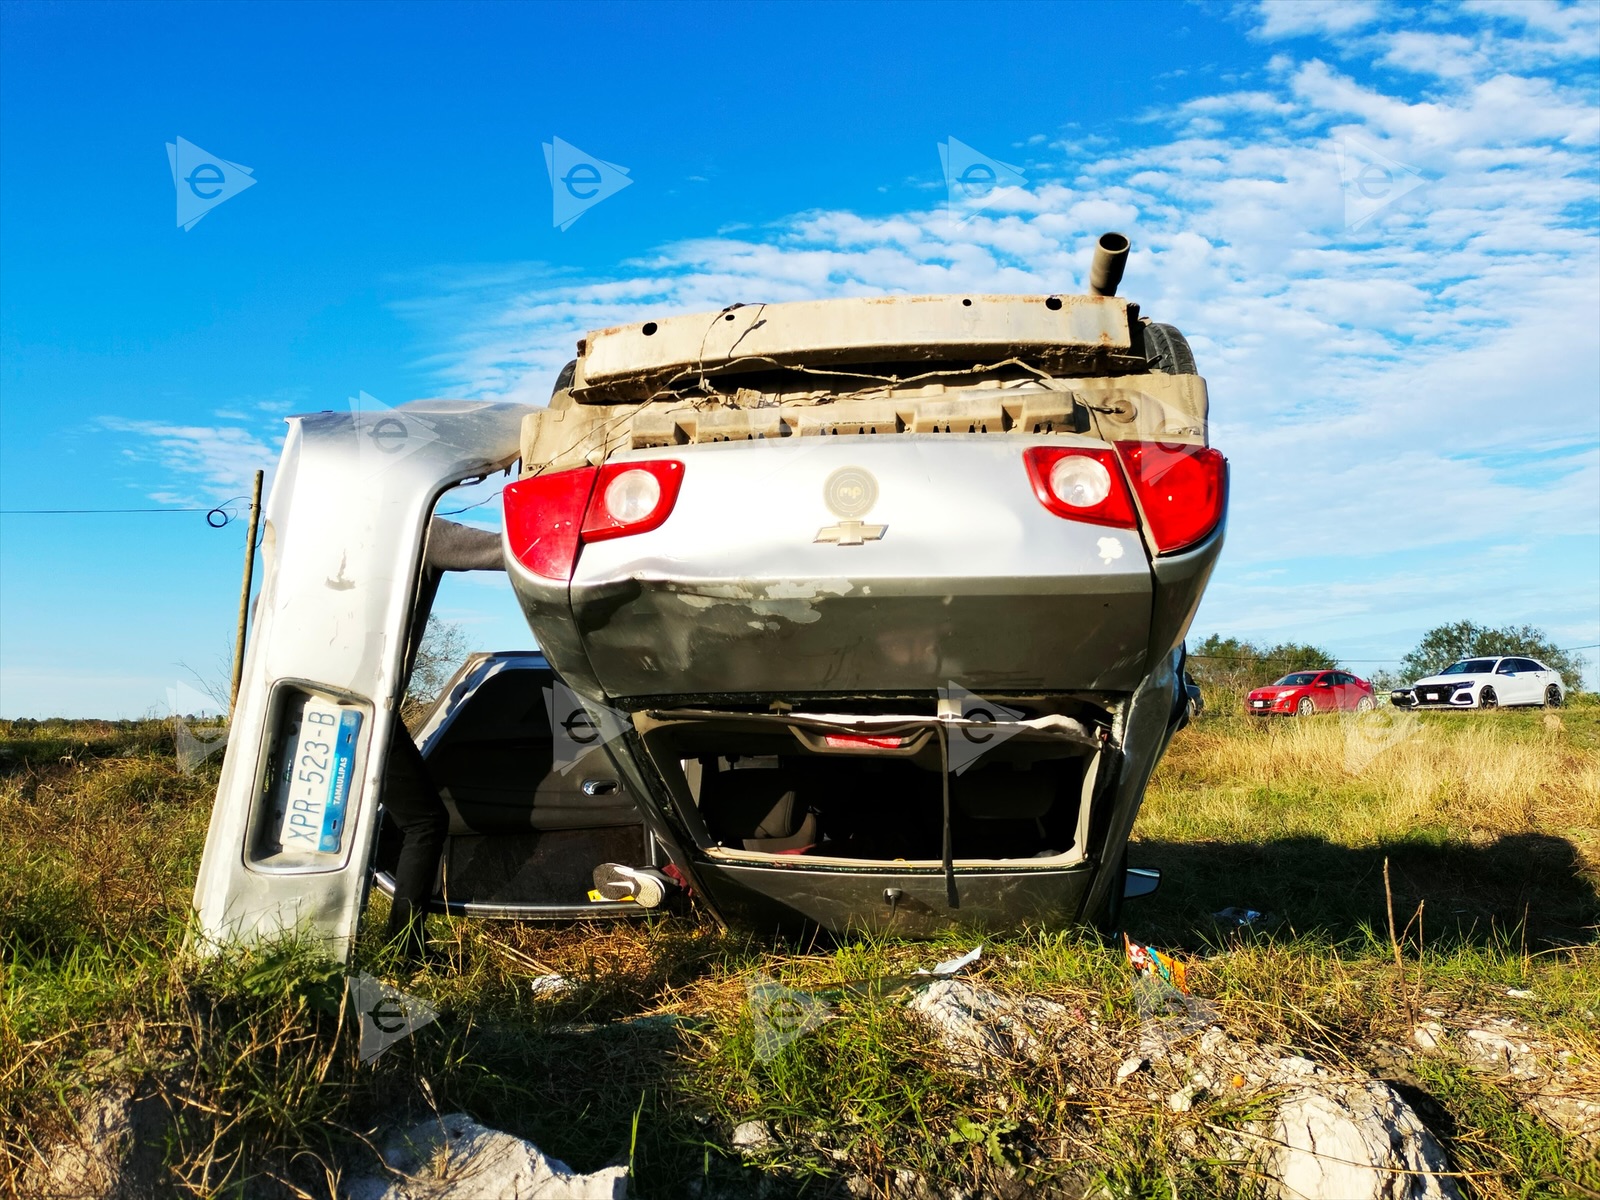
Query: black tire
x=1487 y=698
x=1552 y=697
x=1306 y=708
x=1167 y=350
x=1365 y=704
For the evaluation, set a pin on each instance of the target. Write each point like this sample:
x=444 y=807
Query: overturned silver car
x=879 y=604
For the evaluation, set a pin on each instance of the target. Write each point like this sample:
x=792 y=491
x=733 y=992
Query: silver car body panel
x=756 y=591
x=759 y=587
x=970 y=581
x=344 y=534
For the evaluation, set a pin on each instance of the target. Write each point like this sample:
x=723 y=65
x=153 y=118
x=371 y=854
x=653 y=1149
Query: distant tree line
x=1237 y=665
x=1449 y=643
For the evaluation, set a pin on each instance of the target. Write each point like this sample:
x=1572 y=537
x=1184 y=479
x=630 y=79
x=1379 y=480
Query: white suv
x=1485 y=683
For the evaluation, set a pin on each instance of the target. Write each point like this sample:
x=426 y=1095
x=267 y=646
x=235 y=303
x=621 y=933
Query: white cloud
x=1299 y=18
x=1571 y=28
x=1428 y=380
x=202 y=463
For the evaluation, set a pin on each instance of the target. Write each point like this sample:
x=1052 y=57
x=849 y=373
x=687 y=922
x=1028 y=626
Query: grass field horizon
x=1488 y=825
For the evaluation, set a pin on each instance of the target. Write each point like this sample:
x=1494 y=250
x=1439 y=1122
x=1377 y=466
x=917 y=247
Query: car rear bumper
x=964 y=577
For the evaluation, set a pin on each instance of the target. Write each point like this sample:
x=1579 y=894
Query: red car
x=1306 y=692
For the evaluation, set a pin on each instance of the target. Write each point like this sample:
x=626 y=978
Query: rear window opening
x=781 y=793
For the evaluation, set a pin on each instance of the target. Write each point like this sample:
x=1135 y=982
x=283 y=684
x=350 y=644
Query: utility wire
x=215 y=517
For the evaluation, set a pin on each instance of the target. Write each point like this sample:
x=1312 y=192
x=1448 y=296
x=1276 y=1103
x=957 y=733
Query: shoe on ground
x=643 y=885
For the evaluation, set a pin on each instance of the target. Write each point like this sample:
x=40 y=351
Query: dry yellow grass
x=1381 y=777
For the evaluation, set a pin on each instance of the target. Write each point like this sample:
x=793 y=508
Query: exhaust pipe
x=1110 y=257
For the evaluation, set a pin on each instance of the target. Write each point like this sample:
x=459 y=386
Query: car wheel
x=1306 y=708
x=1552 y=697
x=1487 y=698
x=1166 y=350
x=1364 y=705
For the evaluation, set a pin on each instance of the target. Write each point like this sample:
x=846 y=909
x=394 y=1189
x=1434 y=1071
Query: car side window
x=1527 y=664
x=1507 y=666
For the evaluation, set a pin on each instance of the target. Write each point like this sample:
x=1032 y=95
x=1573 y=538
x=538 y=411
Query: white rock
x=1129 y=1067
x=1354 y=1140
x=1335 y=1135
x=1544 y=1078
x=1429 y=1035
x=983 y=1032
x=549 y=985
x=752 y=1135
x=455 y=1158
x=1493 y=1050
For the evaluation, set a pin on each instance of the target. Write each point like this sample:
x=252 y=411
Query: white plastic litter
x=952 y=966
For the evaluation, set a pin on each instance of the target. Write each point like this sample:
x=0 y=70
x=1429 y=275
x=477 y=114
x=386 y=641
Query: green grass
x=249 y=1068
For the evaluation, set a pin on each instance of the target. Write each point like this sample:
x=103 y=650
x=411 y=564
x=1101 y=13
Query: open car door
x=296 y=814
x=535 y=802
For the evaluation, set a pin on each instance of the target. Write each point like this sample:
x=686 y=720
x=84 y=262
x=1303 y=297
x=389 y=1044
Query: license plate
x=321 y=757
x=1432 y=696
x=1258 y=704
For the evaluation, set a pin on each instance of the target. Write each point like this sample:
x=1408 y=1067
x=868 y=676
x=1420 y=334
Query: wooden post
x=244 y=592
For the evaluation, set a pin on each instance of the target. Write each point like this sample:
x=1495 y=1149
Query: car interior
x=523 y=832
x=772 y=789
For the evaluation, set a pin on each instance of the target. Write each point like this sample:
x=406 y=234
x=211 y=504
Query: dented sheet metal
x=342 y=559
x=1055 y=330
x=758 y=585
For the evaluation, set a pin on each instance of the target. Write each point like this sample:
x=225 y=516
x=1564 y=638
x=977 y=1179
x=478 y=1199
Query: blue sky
x=1411 y=400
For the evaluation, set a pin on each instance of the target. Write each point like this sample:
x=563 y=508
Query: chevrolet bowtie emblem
x=850 y=533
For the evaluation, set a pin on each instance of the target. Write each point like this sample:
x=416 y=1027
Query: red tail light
x=544 y=514
x=1081 y=484
x=550 y=517
x=863 y=741
x=632 y=498
x=1182 y=490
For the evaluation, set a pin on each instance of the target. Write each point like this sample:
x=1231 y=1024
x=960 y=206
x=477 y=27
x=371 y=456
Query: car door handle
x=599 y=787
